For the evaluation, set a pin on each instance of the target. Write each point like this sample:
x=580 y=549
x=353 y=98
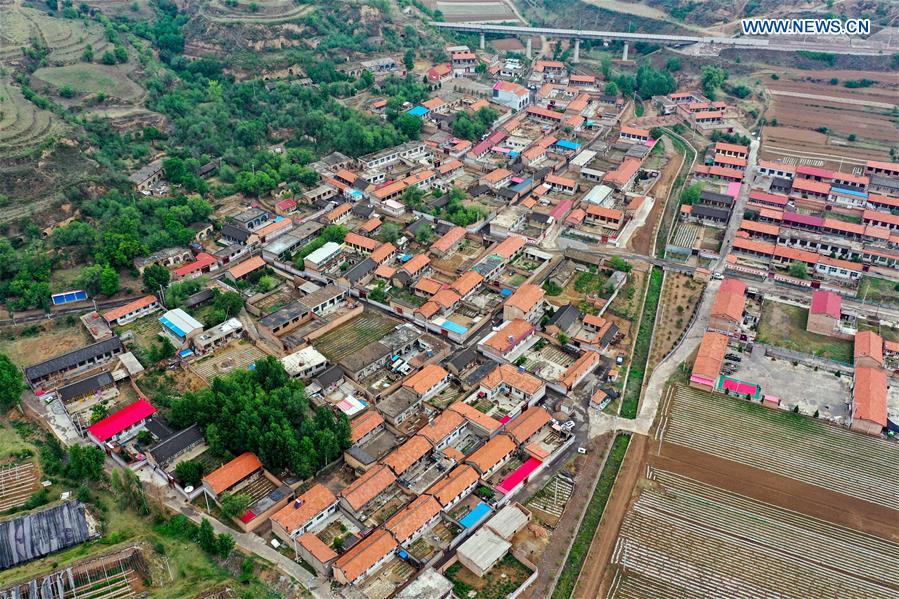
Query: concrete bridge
x=861 y=47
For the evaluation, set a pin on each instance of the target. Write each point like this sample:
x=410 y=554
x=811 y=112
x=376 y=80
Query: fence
x=807 y=359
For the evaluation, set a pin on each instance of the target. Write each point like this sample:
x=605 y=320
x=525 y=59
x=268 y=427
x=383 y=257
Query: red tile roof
x=826 y=302
x=138 y=304
x=246 y=267
x=365 y=554
x=233 y=472
x=869 y=395
x=868 y=344
x=711 y=356
x=364 y=424
x=304 y=508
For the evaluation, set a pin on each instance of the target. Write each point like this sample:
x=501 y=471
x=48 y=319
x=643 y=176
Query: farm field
x=786 y=444
x=473 y=10
x=686 y=538
x=86 y=78
x=54 y=340
x=23 y=126
x=258 y=12
x=65 y=38
x=784 y=325
x=352 y=336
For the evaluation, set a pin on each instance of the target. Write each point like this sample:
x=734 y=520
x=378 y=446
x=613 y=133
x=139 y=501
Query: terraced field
x=66 y=38
x=684 y=538
x=267 y=11
x=800 y=448
x=86 y=78
x=23 y=126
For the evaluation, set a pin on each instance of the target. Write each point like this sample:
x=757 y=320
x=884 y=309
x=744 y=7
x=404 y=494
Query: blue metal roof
x=418 y=110
x=852 y=192
x=455 y=327
x=475 y=515
x=568 y=145
x=172 y=327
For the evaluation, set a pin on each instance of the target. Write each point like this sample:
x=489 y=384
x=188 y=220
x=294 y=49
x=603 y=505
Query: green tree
x=109 y=281
x=691 y=194
x=189 y=473
x=673 y=64
x=224 y=545
x=85 y=463
x=424 y=235
x=206 y=537
x=620 y=264
x=798 y=270
x=88 y=54
x=378 y=294
x=409 y=59
x=156 y=277
x=711 y=79
x=108 y=58
x=128 y=490
x=389 y=232
x=408 y=124
x=611 y=89
x=656 y=133
x=234 y=505
x=11 y=383
x=229 y=302
x=121 y=55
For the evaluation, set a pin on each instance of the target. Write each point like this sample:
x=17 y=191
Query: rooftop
x=305 y=507
x=233 y=472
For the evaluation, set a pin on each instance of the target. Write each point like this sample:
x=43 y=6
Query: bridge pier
x=528 y=51
x=624 y=54
x=482 y=40
x=577 y=50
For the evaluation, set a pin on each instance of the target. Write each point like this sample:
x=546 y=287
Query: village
x=478 y=309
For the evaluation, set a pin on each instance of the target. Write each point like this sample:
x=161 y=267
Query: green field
x=352 y=336
x=783 y=325
x=880 y=291
x=86 y=78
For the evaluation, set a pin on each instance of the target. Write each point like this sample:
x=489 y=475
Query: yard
x=506 y=576
x=352 y=336
x=40 y=342
x=783 y=325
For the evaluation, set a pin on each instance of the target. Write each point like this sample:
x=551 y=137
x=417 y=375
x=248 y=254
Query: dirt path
x=551 y=561
x=592 y=582
x=643 y=241
x=839 y=100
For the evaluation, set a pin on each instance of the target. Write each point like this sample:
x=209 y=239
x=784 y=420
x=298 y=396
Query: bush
x=66 y=91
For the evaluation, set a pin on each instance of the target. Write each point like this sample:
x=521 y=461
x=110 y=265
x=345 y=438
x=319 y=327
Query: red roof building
x=125 y=420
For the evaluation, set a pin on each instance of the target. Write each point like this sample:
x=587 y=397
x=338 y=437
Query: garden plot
x=552 y=499
x=236 y=356
x=549 y=362
x=786 y=444
x=354 y=335
x=689 y=539
x=468 y=10
x=17 y=483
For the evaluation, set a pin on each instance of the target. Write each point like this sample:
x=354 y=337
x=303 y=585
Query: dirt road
x=591 y=582
x=643 y=241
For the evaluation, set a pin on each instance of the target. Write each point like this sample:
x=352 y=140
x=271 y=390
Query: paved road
x=736 y=217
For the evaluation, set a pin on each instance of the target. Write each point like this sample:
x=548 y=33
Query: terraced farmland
x=66 y=38
x=349 y=338
x=683 y=538
x=86 y=78
x=23 y=126
x=784 y=443
x=267 y=11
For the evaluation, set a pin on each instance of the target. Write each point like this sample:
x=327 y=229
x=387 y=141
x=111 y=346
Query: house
x=408 y=524
x=479 y=421
x=359 y=495
x=245 y=268
x=121 y=425
x=526 y=303
x=166 y=257
x=304 y=363
x=506 y=342
x=74 y=361
x=440 y=73
x=467 y=283
x=449 y=242
x=735 y=150
x=496 y=178
x=727 y=311
x=444 y=429
x=464 y=62
x=511 y=95
x=203 y=264
x=428 y=381
x=526 y=425
x=483 y=550
x=147 y=176
x=323 y=256
x=622 y=177
x=233 y=476
x=869 y=400
x=408 y=455
x=709 y=360
x=454 y=487
x=365 y=427
x=180 y=326
x=517 y=383
x=314 y=552
x=633 y=134
x=338 y=215
x=583 y=366
x=251 y=218
x=561 y=184
x=218 y=335
x=84 y=388
x=166 y=453
x=364 y=557
x=491 y=456
x=303 y=513
x=868 y=349
x=131 y=311
x=825 y=312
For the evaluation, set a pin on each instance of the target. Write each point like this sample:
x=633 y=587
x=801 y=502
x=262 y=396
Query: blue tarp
x=568 y=145
x=418 y=111
x=449 y=325
x=506 y=293
x=852 y=192
x=186 y=353
x=172 y=327
x=475 y=515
